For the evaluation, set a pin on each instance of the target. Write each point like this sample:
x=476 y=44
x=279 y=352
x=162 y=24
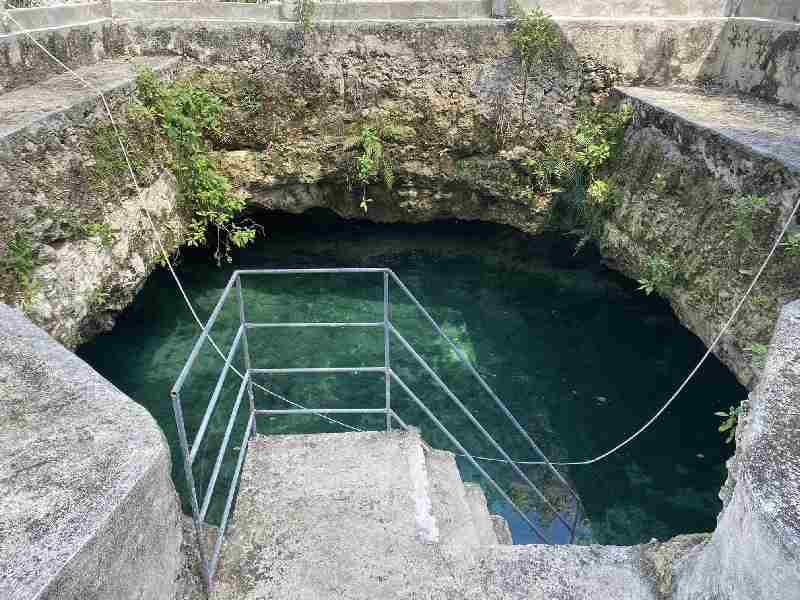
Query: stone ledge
x=755 y=126
x=87 y=506
x=754 y=552
x=51 y=102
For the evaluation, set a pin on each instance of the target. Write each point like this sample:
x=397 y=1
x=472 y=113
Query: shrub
x=371 y=164
x=185 y=113
x=659 y=275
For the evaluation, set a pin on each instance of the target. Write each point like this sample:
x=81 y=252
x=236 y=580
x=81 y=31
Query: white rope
x=587 y=461
x=689 y=377
x=150 y=221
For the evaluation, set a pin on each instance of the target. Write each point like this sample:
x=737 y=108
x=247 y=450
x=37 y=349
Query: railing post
x=246 y=350
x=386 y=358
x=199 y=526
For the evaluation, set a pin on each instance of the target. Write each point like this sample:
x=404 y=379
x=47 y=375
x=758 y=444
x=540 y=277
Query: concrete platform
x=52 y=101
x=87 y=506
x=350 y=515
x=754 y=125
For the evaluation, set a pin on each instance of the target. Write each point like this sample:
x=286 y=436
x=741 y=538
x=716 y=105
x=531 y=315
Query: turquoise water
x=579 y=355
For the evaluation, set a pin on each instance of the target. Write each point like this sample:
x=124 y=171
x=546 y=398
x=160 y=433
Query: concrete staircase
x=374 y=515
x=352 y=515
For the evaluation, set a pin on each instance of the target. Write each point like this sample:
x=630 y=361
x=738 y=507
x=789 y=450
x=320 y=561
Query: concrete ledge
x=754 y=126
x=403 y=10
x=195 y=11
x=61 y=98
x=87 y=507
x=754 y=553
x=22 y=63
x=54 y=16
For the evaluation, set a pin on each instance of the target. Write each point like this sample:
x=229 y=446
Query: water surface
x=579 y=355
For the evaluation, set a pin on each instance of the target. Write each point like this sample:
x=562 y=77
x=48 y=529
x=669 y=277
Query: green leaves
x=747 y=211
x=371 y=164
x=729 y=423
x=186 y=113
x=659 y=275
x=536 y=38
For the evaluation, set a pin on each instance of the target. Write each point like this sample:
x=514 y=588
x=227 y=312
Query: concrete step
x=748 y=125
x=62 y=100
x=484 y=524
x=501 y=530
x=334 y=516
x=454 y=517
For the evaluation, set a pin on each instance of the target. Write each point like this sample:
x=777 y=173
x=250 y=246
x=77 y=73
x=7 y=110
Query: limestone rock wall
x=679 y=187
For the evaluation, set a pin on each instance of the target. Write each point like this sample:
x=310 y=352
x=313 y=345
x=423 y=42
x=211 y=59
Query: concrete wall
x=754 y=552
x=782 y=10
x=87 y=507
x=631 y=8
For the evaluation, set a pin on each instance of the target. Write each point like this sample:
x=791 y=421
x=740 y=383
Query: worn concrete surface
x=484 y=522
x=334 y=516
x=63 y=98
x=454 y=518
x=754 y=553
x=754 y=125
x=538 y=572
x=87 y=507
x=27 y=19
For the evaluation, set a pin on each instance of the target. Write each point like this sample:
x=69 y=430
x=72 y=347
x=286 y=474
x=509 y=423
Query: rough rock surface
x=694 y=165
x=754 y=552
x=81 y=236
x=87 y=506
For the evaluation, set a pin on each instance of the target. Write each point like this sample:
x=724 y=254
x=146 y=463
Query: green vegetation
x=747 y=210
x=758 y=352
x=185 y=113
x=791 y=245
x=729 y=423
x=21 y=259
x=102 y=233
x=371 y=164
x=538 y=42
x=304 y=12
x=659 y=183
x=659 y=275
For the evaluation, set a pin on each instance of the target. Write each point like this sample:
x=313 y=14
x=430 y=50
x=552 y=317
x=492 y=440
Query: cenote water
x=579 y=355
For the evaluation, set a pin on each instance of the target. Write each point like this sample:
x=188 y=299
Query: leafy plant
x=759 y=353
x=371 y=164
x=729 y=423
x=659 y=275
x=538 y=41
x=21 y=259
x=185 y=113
x=102 y=232
x=599 y=137
x=791 y=245
x=659 y=183
x=746 y=211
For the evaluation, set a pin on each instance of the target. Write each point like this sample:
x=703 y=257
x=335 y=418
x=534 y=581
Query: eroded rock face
x=680 y=202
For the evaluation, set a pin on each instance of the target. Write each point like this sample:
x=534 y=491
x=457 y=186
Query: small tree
x=538 y=42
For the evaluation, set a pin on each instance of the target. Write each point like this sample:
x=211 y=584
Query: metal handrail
x=240 y=341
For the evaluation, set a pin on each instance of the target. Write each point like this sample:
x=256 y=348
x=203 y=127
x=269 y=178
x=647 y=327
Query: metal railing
x=200 y=506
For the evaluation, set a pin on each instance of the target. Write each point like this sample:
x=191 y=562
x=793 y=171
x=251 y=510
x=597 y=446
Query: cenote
x=581 y=357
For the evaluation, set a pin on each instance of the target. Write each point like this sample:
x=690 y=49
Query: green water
x=578 y=354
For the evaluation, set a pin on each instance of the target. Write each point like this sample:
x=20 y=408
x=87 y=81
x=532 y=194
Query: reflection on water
x=580 y=357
